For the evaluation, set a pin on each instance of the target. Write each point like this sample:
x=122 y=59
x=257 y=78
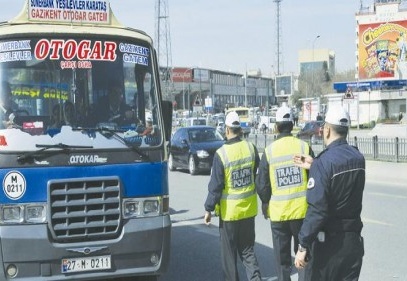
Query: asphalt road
x=195 y=246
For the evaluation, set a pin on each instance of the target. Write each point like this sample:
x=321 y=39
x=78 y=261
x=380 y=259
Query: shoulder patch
x=311 y=183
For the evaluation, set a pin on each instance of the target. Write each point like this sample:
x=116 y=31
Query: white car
x=221 y=128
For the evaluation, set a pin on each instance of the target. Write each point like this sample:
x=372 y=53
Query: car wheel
x=192 y=165
x=171 y=163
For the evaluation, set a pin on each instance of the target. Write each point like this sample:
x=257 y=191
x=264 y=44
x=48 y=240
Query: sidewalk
x=386 y=172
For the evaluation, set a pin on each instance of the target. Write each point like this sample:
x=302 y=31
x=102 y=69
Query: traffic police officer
x=282 y=186
x=232 y=188
x=334 y=196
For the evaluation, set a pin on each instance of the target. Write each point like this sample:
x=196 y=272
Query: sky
x=240 y=35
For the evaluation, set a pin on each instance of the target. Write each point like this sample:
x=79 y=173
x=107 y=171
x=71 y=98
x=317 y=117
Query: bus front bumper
x=141 y=249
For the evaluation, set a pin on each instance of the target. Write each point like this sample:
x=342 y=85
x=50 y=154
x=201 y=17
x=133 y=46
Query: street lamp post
x=313 y=63
x=368 y=119
x=245 y=90
x=183 y=86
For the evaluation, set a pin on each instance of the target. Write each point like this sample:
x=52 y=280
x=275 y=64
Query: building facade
x=194 y=87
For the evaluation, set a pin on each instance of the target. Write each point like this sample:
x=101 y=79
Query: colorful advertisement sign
x=383 y=50
x=79 y=11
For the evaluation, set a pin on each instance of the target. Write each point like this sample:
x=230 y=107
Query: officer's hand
x=264 y=209
x=303 y=161
x=207 y=218
x=300 y=262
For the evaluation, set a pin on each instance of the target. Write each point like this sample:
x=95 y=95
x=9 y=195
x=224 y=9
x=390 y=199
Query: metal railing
x=373 y=148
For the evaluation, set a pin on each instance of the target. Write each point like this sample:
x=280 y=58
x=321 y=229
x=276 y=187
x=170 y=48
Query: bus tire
x=192 y=165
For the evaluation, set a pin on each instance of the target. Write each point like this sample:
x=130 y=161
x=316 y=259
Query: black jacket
x=335 y=191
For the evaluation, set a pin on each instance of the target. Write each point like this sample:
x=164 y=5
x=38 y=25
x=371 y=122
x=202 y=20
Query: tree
x=319 y=83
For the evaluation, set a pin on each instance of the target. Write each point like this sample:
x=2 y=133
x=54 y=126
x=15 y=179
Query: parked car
x=311 y=132
x=193 y=148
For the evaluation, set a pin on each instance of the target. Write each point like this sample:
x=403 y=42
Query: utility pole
x=278 y=36
x=162 y=44
x=313 y=66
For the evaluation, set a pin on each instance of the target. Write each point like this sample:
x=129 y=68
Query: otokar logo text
x=86 y=159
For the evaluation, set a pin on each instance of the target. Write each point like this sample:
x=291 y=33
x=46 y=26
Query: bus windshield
x=243 y=112
x=79 y=86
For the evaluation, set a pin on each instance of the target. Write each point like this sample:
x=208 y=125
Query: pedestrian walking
x=231 y=190
x=331 y=232
x=282 y=186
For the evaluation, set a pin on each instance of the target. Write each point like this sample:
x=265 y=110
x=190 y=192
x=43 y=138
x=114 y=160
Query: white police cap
x=232 y=120
x=337 y=115
x=283 y=114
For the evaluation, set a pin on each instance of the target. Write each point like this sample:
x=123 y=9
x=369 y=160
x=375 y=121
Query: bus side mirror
x=167 y=116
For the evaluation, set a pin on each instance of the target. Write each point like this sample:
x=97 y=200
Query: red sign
x=182 y=74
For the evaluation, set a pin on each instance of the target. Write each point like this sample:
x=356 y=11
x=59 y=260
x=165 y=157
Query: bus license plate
x=85 y=264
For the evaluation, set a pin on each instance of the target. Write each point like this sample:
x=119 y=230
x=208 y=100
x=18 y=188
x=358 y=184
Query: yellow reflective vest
x=288 y=182
x=239 y=198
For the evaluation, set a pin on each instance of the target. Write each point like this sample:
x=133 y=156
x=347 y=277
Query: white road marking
x=376 y=222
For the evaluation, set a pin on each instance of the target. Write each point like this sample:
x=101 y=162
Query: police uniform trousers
x=237 y=238
x=339 y=258
x=283 y=232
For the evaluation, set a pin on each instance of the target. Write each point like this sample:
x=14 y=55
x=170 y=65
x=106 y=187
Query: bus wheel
x=171 y=163
x=192 y=165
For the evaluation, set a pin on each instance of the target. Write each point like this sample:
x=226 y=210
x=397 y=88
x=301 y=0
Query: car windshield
x=204 y=135
x=308 y=126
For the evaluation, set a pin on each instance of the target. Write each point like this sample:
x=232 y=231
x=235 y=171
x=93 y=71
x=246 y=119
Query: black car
x=311 y=132
x=193 y=148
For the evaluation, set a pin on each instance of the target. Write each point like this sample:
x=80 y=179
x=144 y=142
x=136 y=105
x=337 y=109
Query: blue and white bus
x=245 y=120
x=83 y=158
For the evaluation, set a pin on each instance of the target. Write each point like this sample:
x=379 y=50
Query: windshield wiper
x=111 y=132
x=43 y=147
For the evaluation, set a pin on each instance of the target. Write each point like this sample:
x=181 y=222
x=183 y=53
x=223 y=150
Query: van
x=266 y=124
x=193 y=121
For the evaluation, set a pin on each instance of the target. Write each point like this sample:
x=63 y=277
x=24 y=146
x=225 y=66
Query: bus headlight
x=131 y=208
x=11 y=214
x=145 y=207
x=35 y=214
x=151 y=207
x=23 y=213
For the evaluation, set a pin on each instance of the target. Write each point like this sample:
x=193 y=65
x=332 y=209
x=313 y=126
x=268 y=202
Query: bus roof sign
x=68 y=11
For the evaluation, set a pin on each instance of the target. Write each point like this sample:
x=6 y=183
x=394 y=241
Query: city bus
x=245 y=120
x=83 y=147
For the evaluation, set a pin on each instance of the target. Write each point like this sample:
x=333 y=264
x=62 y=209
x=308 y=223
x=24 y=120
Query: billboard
x=182 y=74
x=383 y=50
x=201 y=75
x=283 y=85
